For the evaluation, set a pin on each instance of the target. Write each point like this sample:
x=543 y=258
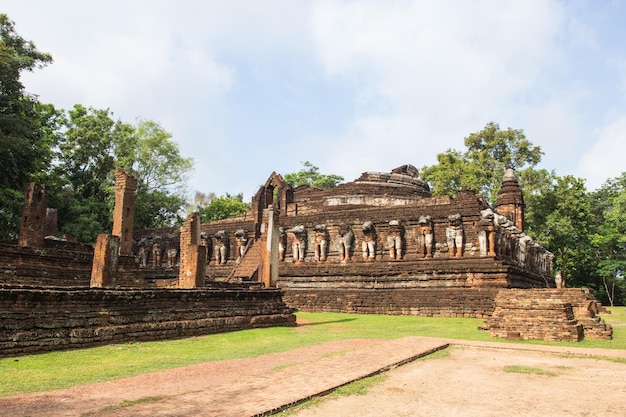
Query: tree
x=25 y=149
x=609 y=238
x=310 y=175
x=223 y=207
x=92 y=147
x=161 y=172
x=481 y=167
x=561 y=223
x=84 y=171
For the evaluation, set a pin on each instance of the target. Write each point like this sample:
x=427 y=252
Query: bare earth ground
x=470 y=381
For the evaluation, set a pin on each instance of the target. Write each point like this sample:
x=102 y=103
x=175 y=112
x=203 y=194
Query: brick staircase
x=547 y=314
x=247 y=269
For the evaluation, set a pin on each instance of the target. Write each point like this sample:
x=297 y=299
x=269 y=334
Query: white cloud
x=441 y=69
x=605 y=158
x=410 y=79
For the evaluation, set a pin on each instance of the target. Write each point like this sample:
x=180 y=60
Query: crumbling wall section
x=56 y=264
x=34 y=320
x=32 y=228
x=553 y=315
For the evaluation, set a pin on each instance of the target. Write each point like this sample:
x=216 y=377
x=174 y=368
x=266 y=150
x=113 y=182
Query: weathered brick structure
x=551 y=314
x=380 y=244
x=124 y=210
x=105 y=261
x=46 y=302
x=32 y=228
x=192 y=254
x=40 y=319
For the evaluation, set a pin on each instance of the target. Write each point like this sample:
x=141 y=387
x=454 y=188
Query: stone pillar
x=105 y=261
x=193 y=255
x=269 y=240
x=124 y=211
x=33 y=215
x=50 y=228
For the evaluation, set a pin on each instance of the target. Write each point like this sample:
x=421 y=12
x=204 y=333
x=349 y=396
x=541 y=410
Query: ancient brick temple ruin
x=59 y=294
x=379 y=244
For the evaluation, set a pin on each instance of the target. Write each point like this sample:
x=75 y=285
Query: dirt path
x=471 y=381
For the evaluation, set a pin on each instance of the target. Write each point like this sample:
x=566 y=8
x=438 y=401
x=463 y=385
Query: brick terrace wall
x=427 y=302
x=57 y=264
x=548 y=314
x=37 y=319
x=425 y=273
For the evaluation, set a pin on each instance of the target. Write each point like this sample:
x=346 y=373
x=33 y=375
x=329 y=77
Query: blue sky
x=251 y=87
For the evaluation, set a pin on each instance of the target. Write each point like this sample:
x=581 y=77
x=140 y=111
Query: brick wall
x=33 y=320
x=428 y=302
x=57 y=264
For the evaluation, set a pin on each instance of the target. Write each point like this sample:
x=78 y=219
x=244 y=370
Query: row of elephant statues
x=497 y=236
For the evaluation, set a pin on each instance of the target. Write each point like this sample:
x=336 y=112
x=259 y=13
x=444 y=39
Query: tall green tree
x=82 y=189
x=310 y=175
x=161 y=171
x=481 y=167
x=562 y=224
x=25 y=147
x=609 y=238
x=92 y=147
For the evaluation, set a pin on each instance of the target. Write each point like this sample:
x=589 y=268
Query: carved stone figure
x=143 y=253
x=345 y=240
x=171 y=257
x=426 y=236
x=221 y=247
x=369 y=241
x=524 y=242
x=298 y=244
x=394 y=239
x=205 y=240
x=486 y=233
x=242 y=240
x=156 y=253
x=321 y=242
x=454 y=235
x=282 y=243
x=558 y=279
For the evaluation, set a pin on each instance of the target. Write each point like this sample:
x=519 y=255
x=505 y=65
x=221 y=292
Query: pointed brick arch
x=265 y=197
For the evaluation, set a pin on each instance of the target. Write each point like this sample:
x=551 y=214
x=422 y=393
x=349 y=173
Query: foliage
x=563 y=213
x=609 y=238
x=161 y=172
x=92 y=146
x=154 y=159
x=310 y=175
x=223 y=207
x=481 y=167
x=24 y=143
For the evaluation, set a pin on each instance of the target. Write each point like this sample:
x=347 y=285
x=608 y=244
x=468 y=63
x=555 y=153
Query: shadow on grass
x=317 y=323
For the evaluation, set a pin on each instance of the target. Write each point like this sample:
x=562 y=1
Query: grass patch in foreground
x=359 y=387
x=63 y=369
x=529 y=370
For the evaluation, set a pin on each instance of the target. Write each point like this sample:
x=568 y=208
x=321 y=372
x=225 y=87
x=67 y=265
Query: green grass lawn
x=62 y=369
